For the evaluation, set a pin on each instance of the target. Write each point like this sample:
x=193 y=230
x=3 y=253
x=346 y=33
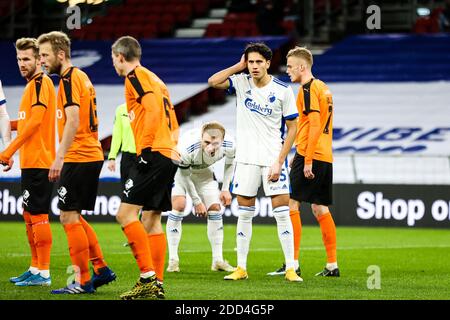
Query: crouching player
x=199 y=150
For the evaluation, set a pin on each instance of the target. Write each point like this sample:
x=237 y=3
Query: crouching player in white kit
x=264 y=106
x=199 y=150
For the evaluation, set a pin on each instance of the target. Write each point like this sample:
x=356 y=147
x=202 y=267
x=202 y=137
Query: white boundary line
x=17 y=254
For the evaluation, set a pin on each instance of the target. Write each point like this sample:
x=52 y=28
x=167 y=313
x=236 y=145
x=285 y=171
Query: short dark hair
x=129 y=47
x=260 y=48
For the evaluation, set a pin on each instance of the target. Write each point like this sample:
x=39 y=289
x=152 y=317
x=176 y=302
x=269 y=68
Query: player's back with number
x=138 y=83
x=75 y=88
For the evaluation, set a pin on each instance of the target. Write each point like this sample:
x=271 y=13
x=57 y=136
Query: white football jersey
x=192 y=155
x=261 y=115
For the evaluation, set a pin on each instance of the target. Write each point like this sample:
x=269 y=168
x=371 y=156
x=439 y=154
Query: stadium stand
x=143 y=19
x=384 y=58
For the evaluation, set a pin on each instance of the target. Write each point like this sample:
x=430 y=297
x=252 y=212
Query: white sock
x=45 y=273
x=285 y=234
x=215 y=234
x=296 y=264
x=173 y=232
x=244 y=234
x=331 y=266
x=146 y=275
x=33 y=270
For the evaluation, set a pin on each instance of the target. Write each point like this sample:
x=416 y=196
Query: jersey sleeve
x=290 y=111
x=229 y=148
x=116 y=139
x=228 y=170
x=140 y=84
x=311 y=97
x=72 y=89
x=232 y=89
x=185 y=150
x=42 y=92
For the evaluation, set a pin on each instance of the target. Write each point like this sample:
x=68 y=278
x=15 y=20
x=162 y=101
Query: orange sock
x=297 y=227
x=158 y=248
x=328 y=235
x=137 y=238
x=30 y=237
x=79 y=250
x=95 y=251
x=42 y=239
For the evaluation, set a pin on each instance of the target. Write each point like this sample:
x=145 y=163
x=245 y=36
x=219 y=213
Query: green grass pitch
x=413 y=264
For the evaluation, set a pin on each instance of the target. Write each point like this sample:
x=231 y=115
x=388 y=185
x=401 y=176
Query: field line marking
x=19 y=254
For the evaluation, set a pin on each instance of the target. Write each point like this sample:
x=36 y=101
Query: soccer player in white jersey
x=199 y=150
x=5 y=127
x=264 y=106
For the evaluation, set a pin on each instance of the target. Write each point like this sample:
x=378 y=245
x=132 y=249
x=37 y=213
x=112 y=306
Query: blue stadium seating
x=384 y=58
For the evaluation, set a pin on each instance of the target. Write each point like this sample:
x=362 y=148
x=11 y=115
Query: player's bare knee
x=294 y=205
x=319 y=210
x=178 y=203
x=280 y=200
x=69 y=217
x=152 y=221
x=214 y=207
x=246 y=201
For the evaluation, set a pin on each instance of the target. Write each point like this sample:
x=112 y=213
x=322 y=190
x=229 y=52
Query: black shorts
x=315 y=191
x=127 y=162
x=152 y=189
x=78 y=184
x=36 y=191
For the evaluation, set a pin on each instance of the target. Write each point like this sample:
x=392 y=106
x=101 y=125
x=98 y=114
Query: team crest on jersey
x=256 y=107
x=25 y=196
x=62 y=193
x=271 y=97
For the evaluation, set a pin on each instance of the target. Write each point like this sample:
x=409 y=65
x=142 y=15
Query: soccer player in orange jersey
x=78 y=162
x=155 y=128
x=36 y=141
x=312 y=167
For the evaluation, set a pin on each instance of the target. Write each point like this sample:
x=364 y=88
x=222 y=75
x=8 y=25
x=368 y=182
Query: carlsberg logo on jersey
x=255 y=107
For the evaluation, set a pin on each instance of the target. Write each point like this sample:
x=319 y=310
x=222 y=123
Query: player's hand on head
x=274 y=172
x=242 y=62
x=307 y=171
x=144 y=160
x=112 y=165
x=225 y=198
x=200 y=210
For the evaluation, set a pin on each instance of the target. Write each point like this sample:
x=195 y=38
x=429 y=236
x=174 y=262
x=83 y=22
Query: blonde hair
x=58 y=40
x=28 y=43
x=303 y=53
x=213 y=125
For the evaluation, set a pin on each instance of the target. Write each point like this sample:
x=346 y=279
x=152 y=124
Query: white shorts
x=207 y=188
x=247 y=179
